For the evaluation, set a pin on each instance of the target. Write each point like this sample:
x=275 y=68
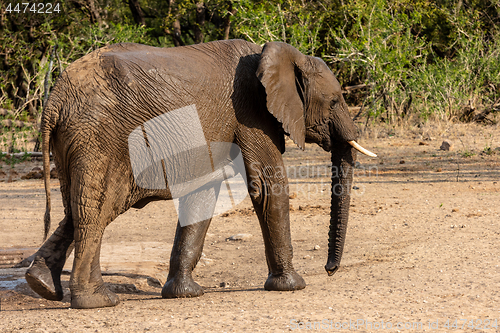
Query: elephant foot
x=285 y=282
x=41 y=280
x=102 y=297
x=180 y=288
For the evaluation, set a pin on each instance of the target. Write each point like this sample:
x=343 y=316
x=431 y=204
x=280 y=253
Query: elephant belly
x=144 y=201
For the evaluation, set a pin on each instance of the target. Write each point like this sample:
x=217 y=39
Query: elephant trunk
x=343 y=159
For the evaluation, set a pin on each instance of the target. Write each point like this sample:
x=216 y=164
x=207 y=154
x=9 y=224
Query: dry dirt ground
x=422 y=250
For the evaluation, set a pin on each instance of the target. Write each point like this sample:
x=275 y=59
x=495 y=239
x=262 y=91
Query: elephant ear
x=279 y=72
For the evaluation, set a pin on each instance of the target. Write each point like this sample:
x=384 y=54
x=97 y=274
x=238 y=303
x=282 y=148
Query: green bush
x=286 y=21
x=380 y=50
x=387 y=46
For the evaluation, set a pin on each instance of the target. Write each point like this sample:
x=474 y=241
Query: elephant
x=244 y=94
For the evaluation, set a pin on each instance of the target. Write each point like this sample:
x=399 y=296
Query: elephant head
x=304 y=95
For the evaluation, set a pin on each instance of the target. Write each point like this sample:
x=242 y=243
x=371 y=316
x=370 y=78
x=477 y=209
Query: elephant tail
x=46 y=178
x=48 y=123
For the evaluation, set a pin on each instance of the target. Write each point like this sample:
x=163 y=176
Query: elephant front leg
x=44 y=273
x=195 y=214
x=269 y=194
x=186 y=253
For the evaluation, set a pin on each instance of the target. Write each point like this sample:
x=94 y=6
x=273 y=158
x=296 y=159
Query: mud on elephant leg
x=279 y=252
x=86 y=283
x=195 y=212
x=90 y=218
x=275 y=225
x=44 y=274
x=186 y=253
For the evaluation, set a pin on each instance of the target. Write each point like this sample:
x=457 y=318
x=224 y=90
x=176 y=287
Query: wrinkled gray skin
x=244 y=94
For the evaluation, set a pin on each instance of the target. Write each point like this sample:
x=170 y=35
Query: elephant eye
x=333 y=102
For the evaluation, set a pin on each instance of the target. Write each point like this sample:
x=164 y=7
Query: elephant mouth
x=343 y=134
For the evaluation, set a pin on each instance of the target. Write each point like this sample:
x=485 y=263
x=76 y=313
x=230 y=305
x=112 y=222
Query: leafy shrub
x=387 y=46
x=289 y=22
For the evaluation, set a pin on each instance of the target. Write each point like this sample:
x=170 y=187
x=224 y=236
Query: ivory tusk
x=362 y=150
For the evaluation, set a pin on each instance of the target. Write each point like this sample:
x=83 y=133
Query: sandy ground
x=422 y=250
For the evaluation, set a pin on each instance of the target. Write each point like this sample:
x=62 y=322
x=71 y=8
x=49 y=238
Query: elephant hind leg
x=94 y=206
x=86 y=283
x=44 y=273
x=87 y=286
x=45 y=266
